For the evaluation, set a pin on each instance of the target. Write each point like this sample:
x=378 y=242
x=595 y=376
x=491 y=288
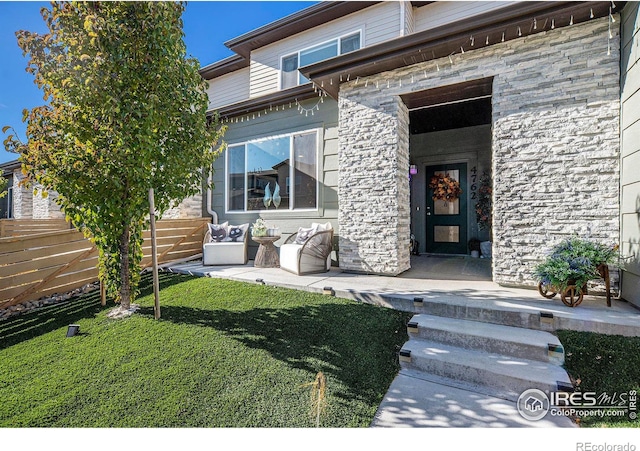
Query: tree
x=3 y=186
x=125 y=112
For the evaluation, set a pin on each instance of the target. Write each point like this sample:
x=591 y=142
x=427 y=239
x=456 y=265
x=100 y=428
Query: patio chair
x=225 y=245
x=308 y=251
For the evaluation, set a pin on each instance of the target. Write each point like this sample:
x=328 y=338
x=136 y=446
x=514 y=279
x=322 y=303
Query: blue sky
x=207 y=25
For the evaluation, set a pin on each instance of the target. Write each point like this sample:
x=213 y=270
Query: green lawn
x=603 y=364
x=224 y=354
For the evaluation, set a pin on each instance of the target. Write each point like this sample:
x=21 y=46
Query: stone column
x=373 y=184
x=22 y=198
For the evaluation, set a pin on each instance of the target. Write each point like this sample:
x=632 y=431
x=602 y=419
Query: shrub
x=574 y=262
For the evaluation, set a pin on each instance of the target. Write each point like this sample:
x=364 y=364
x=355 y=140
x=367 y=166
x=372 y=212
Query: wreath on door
x=445 y=188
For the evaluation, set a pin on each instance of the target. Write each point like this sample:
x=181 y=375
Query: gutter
x=213 y=213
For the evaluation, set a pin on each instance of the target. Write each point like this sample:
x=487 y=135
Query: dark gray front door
x=447 y=220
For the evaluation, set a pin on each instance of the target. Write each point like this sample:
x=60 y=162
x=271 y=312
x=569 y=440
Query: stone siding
x=22 y=198
x=374 y=201
x=555 y=144
x=191 y=207
x=26 y=205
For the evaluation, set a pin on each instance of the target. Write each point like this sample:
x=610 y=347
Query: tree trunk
x=125 y=279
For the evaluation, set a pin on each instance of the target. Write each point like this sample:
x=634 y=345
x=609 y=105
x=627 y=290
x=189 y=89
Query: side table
x=267 y=255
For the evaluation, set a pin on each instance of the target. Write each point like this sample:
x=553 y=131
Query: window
x=350 y=43
x=289 y=71
x=259 y=173
x=9 y=197
x=290 y=63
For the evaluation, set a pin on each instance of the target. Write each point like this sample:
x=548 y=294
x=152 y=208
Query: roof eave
x=266 y=102
x=10 y=166
x=225 y=66
x=305 y=19
x=443 y=41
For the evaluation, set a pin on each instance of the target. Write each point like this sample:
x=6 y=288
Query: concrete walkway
x=458 y=285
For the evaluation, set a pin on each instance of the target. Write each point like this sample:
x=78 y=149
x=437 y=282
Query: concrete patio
x=462 y=283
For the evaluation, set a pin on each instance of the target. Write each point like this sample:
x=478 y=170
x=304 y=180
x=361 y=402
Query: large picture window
x=291 y=77
x=277 y=173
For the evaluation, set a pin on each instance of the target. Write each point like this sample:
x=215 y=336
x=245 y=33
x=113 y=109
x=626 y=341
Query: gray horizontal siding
x=229 y=88
x=378 y=23
x=277 y=123
x=630 y=155
x=437 y=14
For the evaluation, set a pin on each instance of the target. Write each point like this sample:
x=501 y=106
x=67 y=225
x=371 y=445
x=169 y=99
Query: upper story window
x=290 y=63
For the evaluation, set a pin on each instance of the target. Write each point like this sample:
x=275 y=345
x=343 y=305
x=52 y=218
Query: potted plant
x=474 y=247
x=570 y=265
x=259 y=228
x=483 y=206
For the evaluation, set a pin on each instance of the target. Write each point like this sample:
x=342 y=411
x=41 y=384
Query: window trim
x=297 y=55
x=290 y=135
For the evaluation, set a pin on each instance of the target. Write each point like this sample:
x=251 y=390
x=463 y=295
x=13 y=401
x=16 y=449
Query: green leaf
x=94 y=146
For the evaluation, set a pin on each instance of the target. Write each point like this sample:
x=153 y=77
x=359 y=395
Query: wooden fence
x=21 y=227
x=34 y=266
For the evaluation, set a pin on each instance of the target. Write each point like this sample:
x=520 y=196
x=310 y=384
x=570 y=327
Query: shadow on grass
x=355 y=343
x=46 y=319
x=165 y=279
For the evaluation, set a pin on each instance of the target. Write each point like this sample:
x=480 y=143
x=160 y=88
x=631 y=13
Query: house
x=24 y=202
x=534 y=103
x=6 y=203
x=28 y=202
x=533 y=404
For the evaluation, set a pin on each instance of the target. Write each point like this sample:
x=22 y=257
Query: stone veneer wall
x=191 y=207
x=22 y=198
x=374 y=201
x=555 y=145
x=28 y=206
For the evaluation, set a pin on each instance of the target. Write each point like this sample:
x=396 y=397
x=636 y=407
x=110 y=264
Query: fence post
x=103 y=294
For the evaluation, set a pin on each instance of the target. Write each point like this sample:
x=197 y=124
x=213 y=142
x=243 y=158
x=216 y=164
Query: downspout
x=214 y=215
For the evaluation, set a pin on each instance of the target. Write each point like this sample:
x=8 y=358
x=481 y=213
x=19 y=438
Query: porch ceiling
x=448 y=94
x=509 y=23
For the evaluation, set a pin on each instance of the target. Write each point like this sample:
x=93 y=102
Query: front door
x=447 y=220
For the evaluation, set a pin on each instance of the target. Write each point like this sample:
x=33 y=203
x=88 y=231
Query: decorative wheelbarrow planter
x=572 y=295
x=571 y=265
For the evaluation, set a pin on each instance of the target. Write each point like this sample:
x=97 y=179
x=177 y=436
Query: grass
x=224 y=354
x=603 y=364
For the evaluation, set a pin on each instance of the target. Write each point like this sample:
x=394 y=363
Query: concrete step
x=493 y=374
x=493 y=313
x=492 y=338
